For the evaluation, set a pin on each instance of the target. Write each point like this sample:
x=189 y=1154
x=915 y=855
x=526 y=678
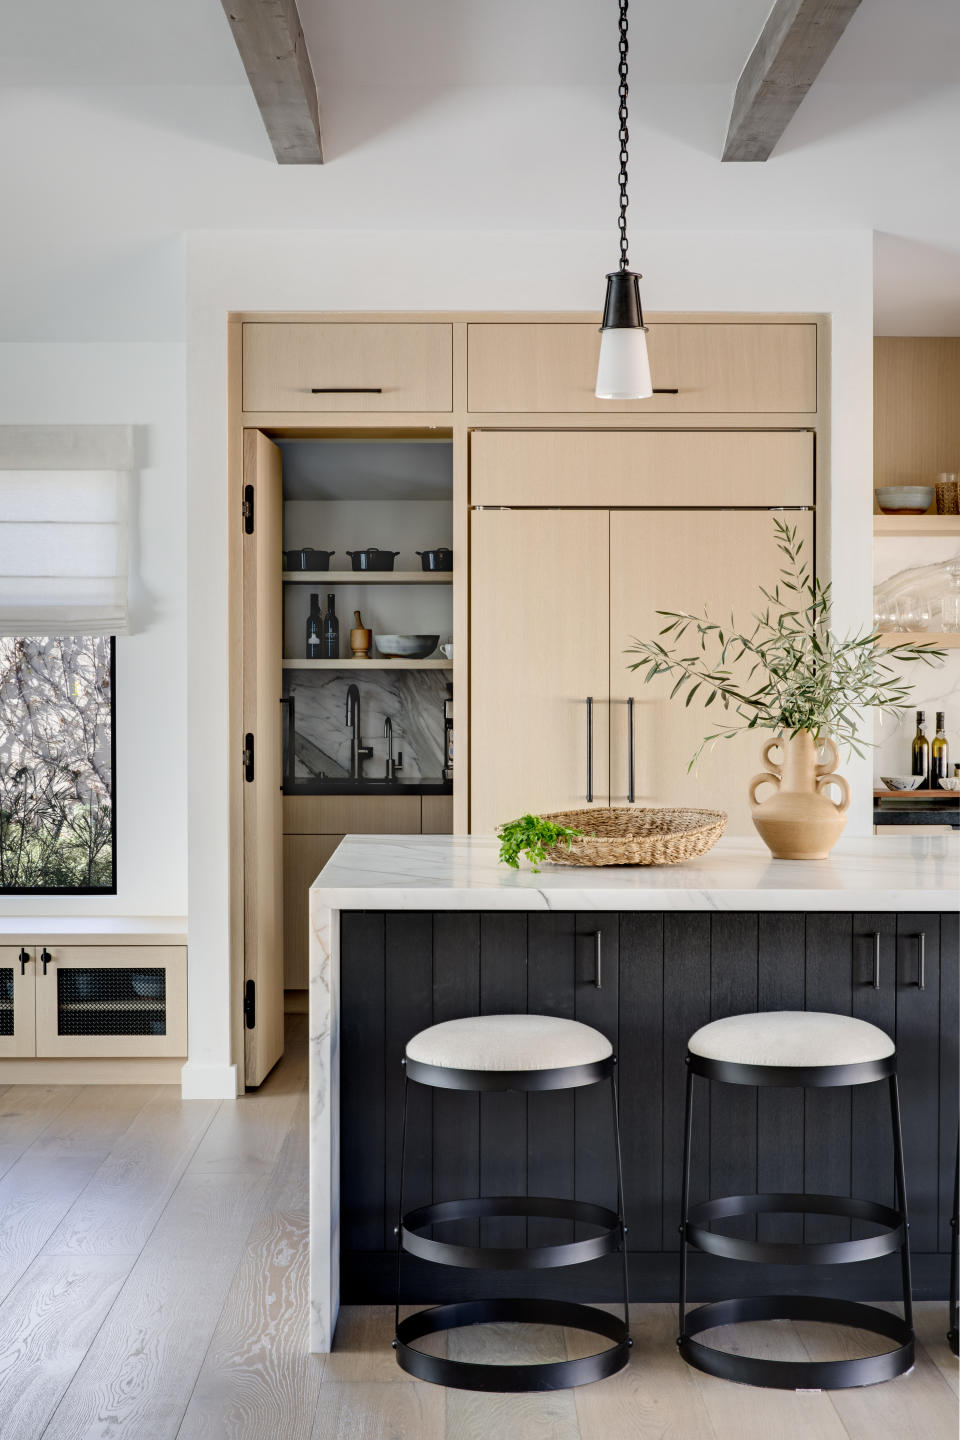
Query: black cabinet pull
x=23 y=957
x=589 y=749
x=45 y=958
x=876 y=959
x=346 y=390
x=598 y=959
x=631 y=786
x=922 y=961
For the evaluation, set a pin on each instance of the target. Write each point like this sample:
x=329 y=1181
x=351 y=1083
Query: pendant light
x=624 y=369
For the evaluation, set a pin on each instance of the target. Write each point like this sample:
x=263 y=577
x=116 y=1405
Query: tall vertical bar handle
x=876 y=959
x=598 y=958
x=922 y=961
x=589 y=749
x=631 y=776
x=45 y=958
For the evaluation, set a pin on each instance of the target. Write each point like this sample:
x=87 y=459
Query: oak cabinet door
x=539 y=627
x=17 y=1001
x=128 y=1001
x=330 y=366
x=683 y=560
x=733 y=368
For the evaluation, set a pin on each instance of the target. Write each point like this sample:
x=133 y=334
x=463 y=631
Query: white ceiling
x=125 y=123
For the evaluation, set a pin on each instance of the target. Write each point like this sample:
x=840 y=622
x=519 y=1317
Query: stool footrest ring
x=549 y=1375
x=485 y=1257
x=840 y=1252
x=798 y=1374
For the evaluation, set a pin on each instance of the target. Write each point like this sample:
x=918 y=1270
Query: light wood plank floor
x=153 y=1286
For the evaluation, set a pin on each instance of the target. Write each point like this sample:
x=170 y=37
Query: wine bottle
x=939 y=755
x=921 y=751
x=330 y=644
x=314 y=626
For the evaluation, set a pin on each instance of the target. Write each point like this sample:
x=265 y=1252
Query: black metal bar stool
x=511 y=1052
x=810 y=1049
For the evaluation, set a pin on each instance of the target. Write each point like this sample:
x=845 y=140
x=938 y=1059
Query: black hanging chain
x=623 y=92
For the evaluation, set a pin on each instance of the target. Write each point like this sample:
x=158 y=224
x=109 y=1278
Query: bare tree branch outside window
x=56 y=764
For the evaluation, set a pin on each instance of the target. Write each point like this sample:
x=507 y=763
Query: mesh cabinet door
x=115 y=1000
x=17 y=1017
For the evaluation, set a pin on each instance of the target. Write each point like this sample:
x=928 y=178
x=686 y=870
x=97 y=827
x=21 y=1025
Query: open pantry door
x=262 y=756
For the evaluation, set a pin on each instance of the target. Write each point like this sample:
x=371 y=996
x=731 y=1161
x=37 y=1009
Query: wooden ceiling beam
x=270 y=39
x=793 y=47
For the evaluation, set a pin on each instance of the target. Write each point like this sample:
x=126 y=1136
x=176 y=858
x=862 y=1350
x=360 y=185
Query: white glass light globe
x=624 y=369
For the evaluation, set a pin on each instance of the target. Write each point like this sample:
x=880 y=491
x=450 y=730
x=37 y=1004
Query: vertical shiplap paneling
x=919 y=1067
x=780 y=986
x=827 y=1112
x=733 y=1108
x=949 y=1097
x=456 y=1113
x=408 y=1008
x=871 y=1163
x=362 y=1079
x=595 y=1162
x=550 y=1128
x=686 y=1006
x=640 y=1070
x=503 y=1116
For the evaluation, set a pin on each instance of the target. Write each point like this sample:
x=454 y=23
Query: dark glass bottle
x=330 y=643
x=939 y=755
x=921 y=751
x=314 y=627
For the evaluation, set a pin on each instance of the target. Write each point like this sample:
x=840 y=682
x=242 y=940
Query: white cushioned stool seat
x=509 y=1042
x=791 y=1037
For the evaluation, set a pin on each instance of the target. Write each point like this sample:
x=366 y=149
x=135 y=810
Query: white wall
x=228 y=270
x=142 y=385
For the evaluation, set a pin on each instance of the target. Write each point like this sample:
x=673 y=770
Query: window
x=57 y=749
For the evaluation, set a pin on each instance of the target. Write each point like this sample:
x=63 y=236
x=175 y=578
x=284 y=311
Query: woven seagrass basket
x=651 y=836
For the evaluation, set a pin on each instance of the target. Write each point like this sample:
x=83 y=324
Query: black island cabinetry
x=661 y=976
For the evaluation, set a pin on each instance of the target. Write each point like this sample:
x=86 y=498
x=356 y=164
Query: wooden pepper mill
x=360 y=639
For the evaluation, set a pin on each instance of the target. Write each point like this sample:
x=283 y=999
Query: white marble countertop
x=452 y=872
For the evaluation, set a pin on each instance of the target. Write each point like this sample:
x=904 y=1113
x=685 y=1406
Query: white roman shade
x=63 y=529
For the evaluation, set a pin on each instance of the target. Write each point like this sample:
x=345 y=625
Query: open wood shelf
x=914 y=525
x=368 y=577
x=944 y=641
x=378 y=664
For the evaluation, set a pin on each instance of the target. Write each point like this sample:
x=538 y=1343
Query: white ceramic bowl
x=904 y=499
x=406 y=647
x=902 y=782
x=952 y=784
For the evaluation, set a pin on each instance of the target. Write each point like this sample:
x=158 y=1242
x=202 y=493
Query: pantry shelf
x=376 y=664
x=368 y=577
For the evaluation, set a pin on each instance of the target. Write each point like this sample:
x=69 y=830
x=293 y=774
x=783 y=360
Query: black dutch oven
x=439 y=559
x=373 y=559
x=307 y=559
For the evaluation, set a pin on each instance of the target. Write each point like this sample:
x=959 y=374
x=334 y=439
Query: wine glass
x=913 y=612
x=950 y=604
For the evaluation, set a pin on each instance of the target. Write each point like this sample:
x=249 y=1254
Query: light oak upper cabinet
x=538 y=648
x=641 y=467
x=662 y=560
x=745 y=368
x=325 y=367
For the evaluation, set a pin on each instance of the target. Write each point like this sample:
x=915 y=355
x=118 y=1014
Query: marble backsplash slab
x=412 y=699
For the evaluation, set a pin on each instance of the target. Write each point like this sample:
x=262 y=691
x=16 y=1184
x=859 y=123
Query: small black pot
x=439 y=559
x=307 y=559
x=373 y=559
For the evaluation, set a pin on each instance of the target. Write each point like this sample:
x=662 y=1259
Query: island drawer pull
x=922 y=961
x=876 y=959
x=597 y=952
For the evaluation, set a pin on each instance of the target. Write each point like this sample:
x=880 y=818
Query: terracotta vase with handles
x=799 y=821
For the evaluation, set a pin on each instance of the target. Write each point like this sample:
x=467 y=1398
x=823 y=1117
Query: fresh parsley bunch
x=532 y=837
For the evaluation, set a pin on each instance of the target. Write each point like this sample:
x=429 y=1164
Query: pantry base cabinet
x=92 y=1013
